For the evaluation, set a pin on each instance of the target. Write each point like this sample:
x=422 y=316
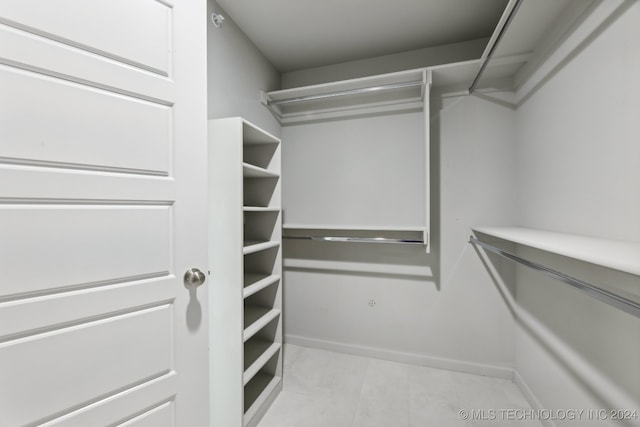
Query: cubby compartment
x=261 y=385
x=260 y=348
x=263 y=298
x=262 y=262
x=260 y=191
x=260 y=309
x=262 y=155
x=261 y=231
x=261 y=225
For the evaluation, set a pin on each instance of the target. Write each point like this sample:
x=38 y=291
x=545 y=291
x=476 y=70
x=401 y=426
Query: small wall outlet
x=372 y=303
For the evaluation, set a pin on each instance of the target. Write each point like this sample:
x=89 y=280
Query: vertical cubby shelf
x=245 y=235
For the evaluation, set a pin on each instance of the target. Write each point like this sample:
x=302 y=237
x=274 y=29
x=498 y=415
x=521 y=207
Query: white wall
x=344 y=172
x=582 y=127
x=237 y=72
x=452 y=319
x=578 y=162
x=426 y=57
x=472 y=149
x=442 y=310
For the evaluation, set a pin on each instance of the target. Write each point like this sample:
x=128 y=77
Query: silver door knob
x=194 y=277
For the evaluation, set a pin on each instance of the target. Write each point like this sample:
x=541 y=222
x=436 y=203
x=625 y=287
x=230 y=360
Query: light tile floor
x=328 y=389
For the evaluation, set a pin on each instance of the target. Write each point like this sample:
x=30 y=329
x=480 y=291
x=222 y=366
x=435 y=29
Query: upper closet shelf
x=385 y=92
x=615 y=254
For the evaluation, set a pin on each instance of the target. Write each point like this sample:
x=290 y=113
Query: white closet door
x=102 y=172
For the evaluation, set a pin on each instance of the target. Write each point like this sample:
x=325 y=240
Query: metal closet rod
x=494 y=44
x=346 y=92
x=630 y=306
x=357 y=239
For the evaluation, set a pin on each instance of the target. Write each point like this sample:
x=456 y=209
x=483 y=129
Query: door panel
x=62 y=184
x=28 y=315
x=123 y=407
x=161 y=416
x=70 y=114
x=80 y=246
x=45 y=56
x=102 y=209
x=91 y=26
x=38 y=368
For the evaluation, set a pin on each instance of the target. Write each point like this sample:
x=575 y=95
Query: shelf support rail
x=275 y=111
x=501 y=29
x=357 y=239
x=629 y=306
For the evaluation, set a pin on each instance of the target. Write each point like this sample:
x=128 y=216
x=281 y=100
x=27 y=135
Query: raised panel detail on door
x=161 y=416
x=117 y=353
x=115 y=408
x=110 y=28
x=81 y=126
x=50 y=247
x=28 y=315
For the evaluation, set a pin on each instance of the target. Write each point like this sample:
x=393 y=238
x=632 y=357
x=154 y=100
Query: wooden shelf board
x=256 y=318
x=251 y=171
x=254 y=282
x=251 y=246
x=260 y=209
x=615 y=254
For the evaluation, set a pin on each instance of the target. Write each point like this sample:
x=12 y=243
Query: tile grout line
x=364 y=378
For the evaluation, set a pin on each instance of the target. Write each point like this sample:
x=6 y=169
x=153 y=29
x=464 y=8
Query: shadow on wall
x=364 y=169
x=397 y=261
x=581 y=342
x=382 y=260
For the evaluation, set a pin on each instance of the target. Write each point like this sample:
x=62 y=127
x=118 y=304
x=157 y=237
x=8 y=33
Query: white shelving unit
x=246 y=266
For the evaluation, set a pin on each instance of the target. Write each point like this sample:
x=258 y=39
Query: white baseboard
x=531 y=398
x=395 y=356
x=430 y=361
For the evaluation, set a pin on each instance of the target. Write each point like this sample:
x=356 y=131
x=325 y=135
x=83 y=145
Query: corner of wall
x=237 y=72
x=577 y=152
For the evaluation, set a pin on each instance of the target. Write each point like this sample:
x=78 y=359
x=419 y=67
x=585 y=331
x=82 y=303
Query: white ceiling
x=298 y=34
